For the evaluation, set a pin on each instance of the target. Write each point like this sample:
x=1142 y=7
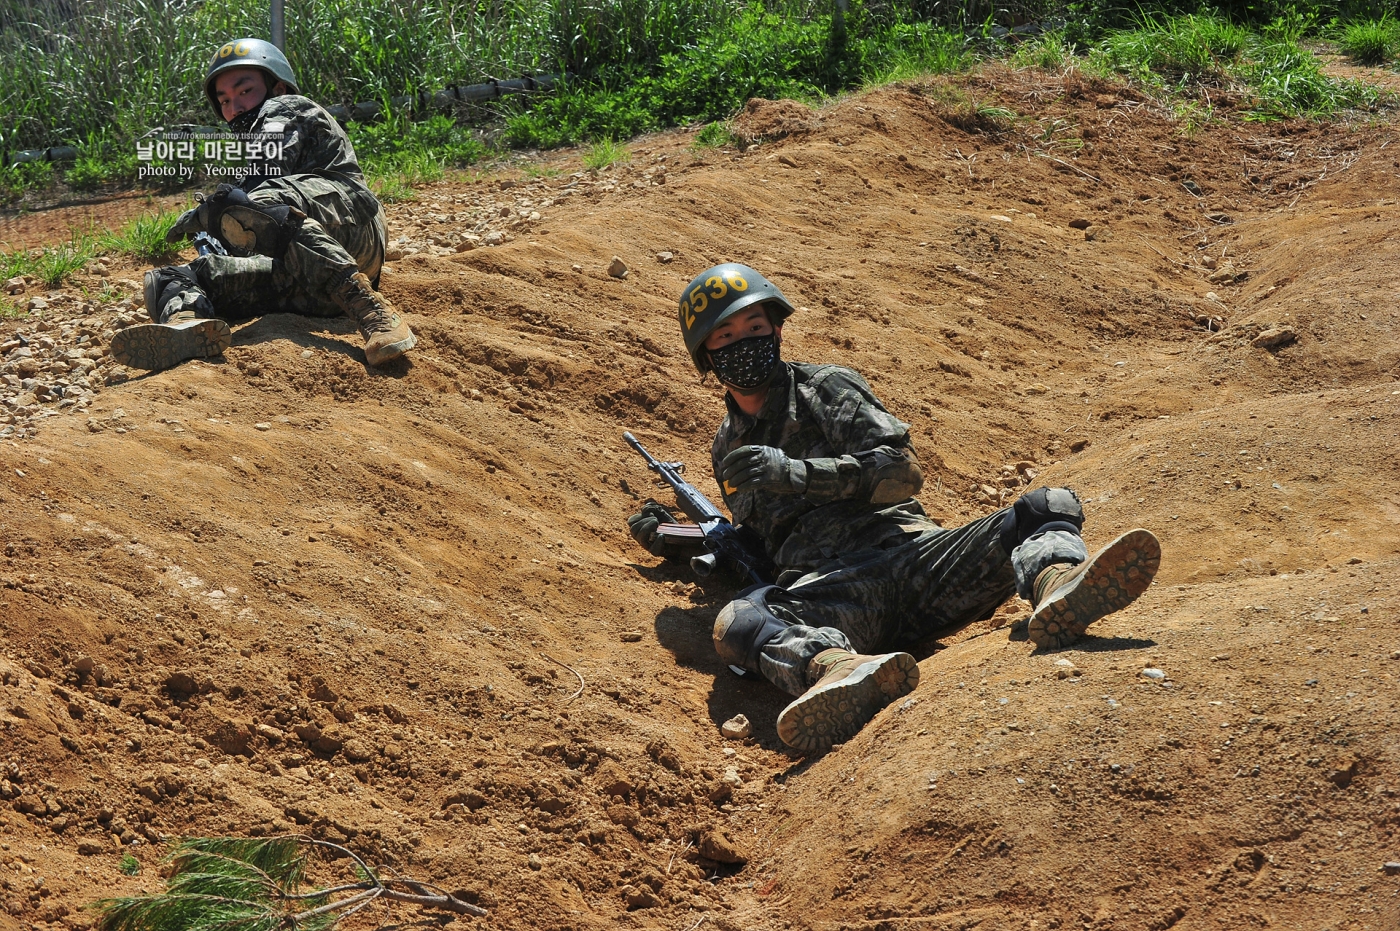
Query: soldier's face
x=239 y=90
x=751 y=321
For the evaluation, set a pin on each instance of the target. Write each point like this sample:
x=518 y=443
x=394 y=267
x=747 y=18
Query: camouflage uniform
x=861 y=566
x=344 y=230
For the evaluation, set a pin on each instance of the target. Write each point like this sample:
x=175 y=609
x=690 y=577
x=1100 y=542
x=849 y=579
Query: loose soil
x=283 y=592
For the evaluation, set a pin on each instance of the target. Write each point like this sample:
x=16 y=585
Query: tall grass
x=1277 y=76
x=1371 y=42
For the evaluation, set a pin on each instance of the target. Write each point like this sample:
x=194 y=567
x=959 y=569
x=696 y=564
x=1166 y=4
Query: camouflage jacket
x=861 y=466
x=308 y=140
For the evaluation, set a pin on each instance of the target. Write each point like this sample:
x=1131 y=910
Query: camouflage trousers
x=880 y=600
x=344 y=232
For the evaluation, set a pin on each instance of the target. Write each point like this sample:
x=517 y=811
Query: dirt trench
x=281 y=592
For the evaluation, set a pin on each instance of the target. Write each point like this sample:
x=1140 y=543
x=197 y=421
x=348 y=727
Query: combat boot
x=386 y=334
x=185 y=326
x=852 y=689
x=1068 y=598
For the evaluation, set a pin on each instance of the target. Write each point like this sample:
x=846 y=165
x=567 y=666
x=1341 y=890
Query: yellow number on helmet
x=241 y=49
x=701 y=301
x=687 y=316
x=226 y=51
x=736 y=281
x=719 y=288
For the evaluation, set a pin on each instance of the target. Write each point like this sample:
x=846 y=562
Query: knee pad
x=1038 y=511
x=246 y=227
x=744 y=626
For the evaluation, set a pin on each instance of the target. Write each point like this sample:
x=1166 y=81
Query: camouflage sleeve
x=878 y=464
x=311 y=140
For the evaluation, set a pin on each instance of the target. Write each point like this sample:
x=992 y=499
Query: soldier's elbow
x=902 y=483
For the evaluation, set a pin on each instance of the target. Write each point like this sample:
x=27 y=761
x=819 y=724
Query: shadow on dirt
x=686 y=633
x=303 y=332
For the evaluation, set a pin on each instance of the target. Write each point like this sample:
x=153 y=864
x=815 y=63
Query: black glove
x=643 y=527
x=186 y=226
x=751 y=467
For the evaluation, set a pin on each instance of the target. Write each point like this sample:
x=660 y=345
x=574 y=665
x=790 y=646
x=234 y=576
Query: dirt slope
x=282 y=592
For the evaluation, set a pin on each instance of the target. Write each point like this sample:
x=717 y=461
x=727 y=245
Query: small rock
x=1209 y=261
x=534 y=861
x=494 y=238
x=1156 y=675
x=83 y=665
x=1079 y=223
x=1037 y=388
x=665 y=258
x=393 y=253
x=1274 y=338
x=37 y=303
x=631 y=636
x=639 y=898
x=1067 y=672
x=1392 y=868
x=1217 y=217
x=736 y=728
x=617 y=268
x=358 y=750
x=578 y=269
x=88 y=847
x=1224 y=273
x=262 y=426
x=1098 y=234
x=715 y=845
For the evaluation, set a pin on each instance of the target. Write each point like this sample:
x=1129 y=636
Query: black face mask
x=748 y=363
x=244 y=121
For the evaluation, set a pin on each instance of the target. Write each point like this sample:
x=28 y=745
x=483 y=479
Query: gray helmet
x=249 y=53
x=717 y=294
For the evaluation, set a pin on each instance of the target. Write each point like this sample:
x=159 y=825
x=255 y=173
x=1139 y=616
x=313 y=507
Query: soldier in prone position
x=304 y=234
x=809 y=459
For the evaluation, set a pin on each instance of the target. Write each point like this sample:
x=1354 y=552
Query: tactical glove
x=186 y=226
x=752 y=467
x=643 y=528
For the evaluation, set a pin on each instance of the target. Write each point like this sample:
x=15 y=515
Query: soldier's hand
x=186 y=226
x=643 y=524
x=751 y=467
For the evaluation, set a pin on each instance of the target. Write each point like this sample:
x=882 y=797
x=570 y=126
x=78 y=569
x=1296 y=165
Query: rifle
x=725 y=542
x=205 y=244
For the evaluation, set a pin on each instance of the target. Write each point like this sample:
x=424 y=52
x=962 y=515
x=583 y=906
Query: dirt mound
x=770 y=120
x=399 y=609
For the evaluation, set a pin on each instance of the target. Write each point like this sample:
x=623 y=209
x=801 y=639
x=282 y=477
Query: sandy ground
x=281 y=592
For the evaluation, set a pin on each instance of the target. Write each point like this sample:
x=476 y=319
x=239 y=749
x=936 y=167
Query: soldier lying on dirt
x=809 y=459
x=303 y=232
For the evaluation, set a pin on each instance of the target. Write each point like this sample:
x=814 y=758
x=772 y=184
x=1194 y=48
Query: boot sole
x=1114 y=578
x=835 y=713
x=156 y=346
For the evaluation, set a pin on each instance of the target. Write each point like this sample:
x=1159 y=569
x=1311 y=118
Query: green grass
x=129 y=865
x=605 y=153
x=1050 y=51
x=143 y=237
x=714 y=135
x=1373 y=42
x=1188 y=56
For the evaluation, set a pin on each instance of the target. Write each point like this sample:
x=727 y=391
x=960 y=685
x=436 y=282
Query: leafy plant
x=244 y=884
x=605 y=152
x=129 y=865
